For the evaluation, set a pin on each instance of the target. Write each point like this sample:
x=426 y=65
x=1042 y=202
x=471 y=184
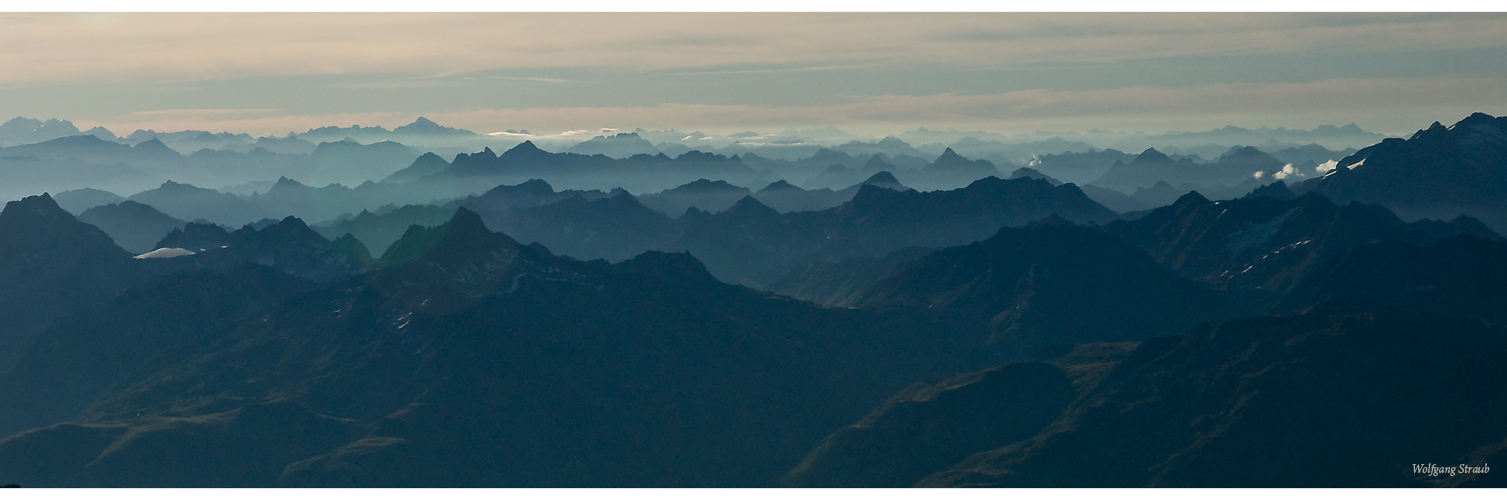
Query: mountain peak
x=780 y=185
x=461 y=238
x=1150 y=155
x=883 y=178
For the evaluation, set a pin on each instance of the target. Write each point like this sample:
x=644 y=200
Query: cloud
x=1327 y=166
x=1288 y=171
x=1412 y=103
x=149 y=47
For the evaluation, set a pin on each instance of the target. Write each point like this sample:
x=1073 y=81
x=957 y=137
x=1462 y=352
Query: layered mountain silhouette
x=467 y=358
x=752 y=243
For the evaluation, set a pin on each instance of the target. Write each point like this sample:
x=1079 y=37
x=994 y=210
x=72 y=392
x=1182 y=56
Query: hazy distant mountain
x=949 y=171
x=22 y=130
x=888 y=146
x=423 y=126
x=190 y=141
x=133 y=226
x=616 y=146
x=95 y=150
x=1235 y=404
x=975 y=148
x=614 y=228
x=76 y=201
x=710 y=196
x=184 y=201
x=1310 y=153
x=639 y=173
x=425 y=164
x=1152 y=166
x=1078 y=168
x=753 y=243
x=1437 y=173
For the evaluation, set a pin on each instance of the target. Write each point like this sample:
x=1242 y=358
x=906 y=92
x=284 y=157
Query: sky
x=875 y=73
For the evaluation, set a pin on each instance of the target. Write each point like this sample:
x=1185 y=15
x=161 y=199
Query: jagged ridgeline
x=923 y=310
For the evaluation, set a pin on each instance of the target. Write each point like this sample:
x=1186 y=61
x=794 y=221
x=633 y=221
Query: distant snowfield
x=165 y=253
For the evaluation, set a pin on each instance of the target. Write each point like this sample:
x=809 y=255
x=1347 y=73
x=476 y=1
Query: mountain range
x=858 y=316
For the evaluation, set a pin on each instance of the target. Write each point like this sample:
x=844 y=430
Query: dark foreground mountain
x=51 y=264
x=1439 y=173
x=1264 y=245
x=1051 y=283
x=1462 y=275
x=1359 y=394
x=468 y=359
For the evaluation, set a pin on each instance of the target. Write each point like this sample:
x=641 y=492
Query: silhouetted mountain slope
x=1031 y=173
x=425 y=164
x=29 y=176
x=932 y=425
x=638 y=173
x=187 y=202
x=378 y=232
x=94 y=150
x=289 y=246
x=1266 y=245
x=841 y=283
x=1462 y=275
x=787 y=198
x=52 y=264
x=76 y=201
x=1438 y=173
x=530 y=194
x=468 y=359
x=616 y=146
x=1360 y=394
x=613 y=228
x=710 y=196
x=752 y=243
x=1079 y=168
x=948 y=171
x=1049 y=283
x=133 y=226
x=82 y=356
x=1277 y=190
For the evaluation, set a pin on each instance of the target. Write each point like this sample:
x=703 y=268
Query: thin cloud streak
x=65 y=48
x=1136 y=108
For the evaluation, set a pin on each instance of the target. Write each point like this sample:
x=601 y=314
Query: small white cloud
x=1326 y=166
x=1258 y=174
x=1287 y=171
